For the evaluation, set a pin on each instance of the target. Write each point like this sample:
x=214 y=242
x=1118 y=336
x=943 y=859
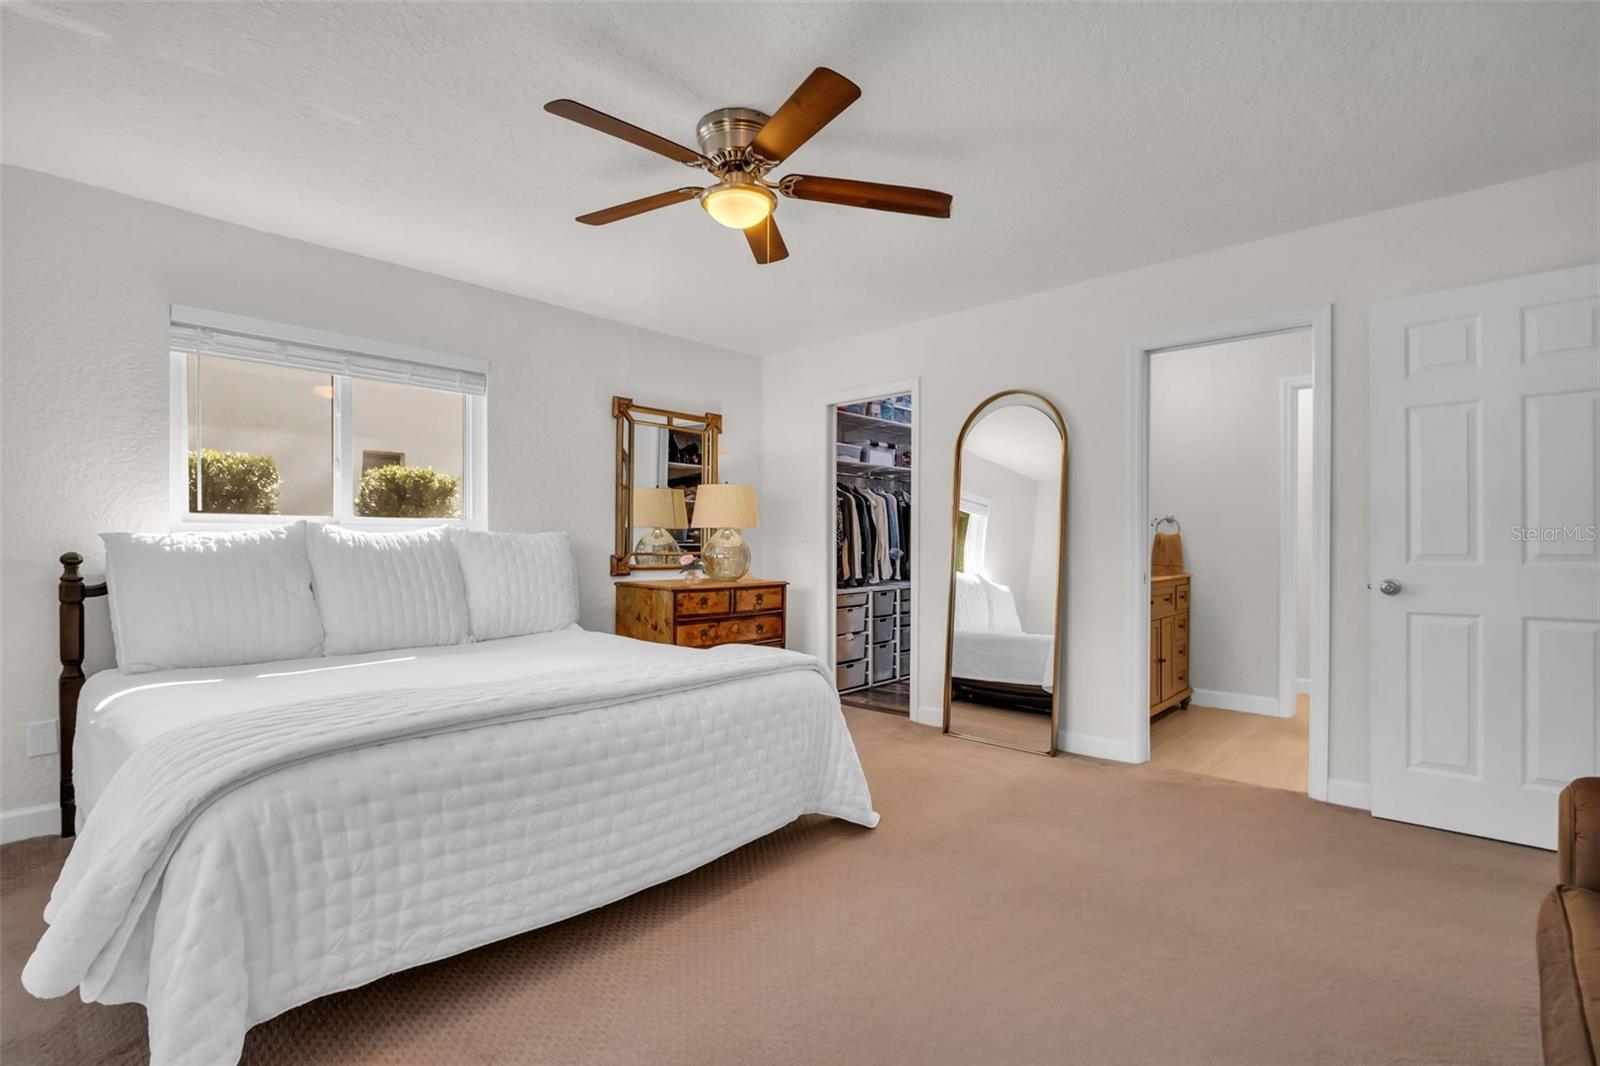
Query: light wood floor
x=1257 y=749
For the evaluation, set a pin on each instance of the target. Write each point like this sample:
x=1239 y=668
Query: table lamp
x=726 y=509
x=658 y=511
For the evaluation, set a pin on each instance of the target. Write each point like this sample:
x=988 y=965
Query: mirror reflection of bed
x=1007 y=547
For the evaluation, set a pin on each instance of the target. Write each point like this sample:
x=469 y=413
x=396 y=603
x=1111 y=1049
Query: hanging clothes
x=905 y=512
x=866 y=573
x=855 y=558
x=849 y=533
x=872 y=530
x=841 y=538
x=880 y=539
x=891 y=512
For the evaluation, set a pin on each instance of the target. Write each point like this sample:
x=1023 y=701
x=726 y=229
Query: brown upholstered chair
x=1569 y=933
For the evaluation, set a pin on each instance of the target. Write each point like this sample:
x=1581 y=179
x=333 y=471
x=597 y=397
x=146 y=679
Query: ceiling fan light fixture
x=739 y=148
x=738 y=204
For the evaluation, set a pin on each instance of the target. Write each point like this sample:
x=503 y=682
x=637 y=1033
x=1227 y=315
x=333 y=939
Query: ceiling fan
x=738 y=146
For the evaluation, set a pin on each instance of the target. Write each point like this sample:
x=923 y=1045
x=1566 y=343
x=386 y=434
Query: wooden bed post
x=72 y=594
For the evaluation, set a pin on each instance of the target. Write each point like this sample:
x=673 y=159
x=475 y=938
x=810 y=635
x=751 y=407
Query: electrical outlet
x=41 y=738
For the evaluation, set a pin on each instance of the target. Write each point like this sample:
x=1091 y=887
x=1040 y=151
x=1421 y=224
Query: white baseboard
x=1350 y=793
x=24 y=822
x=1096 y=747
x=1302 y=684
x=1237 y=701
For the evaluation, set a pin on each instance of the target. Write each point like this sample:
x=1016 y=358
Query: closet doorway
x=1229 y=536
x=872 y=548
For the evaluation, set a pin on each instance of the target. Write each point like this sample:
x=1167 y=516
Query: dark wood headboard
x=72 y=594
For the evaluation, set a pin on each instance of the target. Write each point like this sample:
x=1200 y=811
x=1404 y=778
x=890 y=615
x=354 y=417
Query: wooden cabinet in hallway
x=1169 y=642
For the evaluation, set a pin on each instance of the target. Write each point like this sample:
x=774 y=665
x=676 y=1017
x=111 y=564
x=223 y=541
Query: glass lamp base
x=658 y=545
x=726 y=556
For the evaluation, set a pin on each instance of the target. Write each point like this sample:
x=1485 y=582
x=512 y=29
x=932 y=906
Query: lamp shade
x=725 y=507
x=660 y=508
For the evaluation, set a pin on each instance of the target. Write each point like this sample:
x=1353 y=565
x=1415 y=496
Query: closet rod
x=868 y=477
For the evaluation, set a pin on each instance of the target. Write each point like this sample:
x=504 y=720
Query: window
x=282 y=421
x=972 y=529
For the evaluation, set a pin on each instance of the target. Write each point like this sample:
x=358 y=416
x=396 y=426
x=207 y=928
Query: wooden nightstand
x=704 y=614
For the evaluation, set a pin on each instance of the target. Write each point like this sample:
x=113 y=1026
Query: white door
x=1485 y=600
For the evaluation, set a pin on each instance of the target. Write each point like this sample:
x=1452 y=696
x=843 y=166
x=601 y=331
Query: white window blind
x=198 y=332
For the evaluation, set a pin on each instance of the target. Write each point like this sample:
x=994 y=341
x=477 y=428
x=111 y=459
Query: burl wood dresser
x=702 y=615
x=1169 y=642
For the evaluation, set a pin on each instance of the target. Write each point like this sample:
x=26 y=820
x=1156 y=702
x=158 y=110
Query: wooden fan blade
x=584 y=115
x=639 y=206
x=872 y=194
x=816 y=103
x=766 y=243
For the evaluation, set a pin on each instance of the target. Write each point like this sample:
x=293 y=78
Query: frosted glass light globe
x=738 y=206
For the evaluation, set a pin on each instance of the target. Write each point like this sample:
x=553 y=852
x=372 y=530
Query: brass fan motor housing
x=725 y=134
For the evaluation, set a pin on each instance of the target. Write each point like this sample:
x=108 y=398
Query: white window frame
x=346 y=465
x=977 y=534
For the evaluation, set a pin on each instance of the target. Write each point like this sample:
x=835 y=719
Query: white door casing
x=1291 y=546
x=1318 y=319
x=1484 y=498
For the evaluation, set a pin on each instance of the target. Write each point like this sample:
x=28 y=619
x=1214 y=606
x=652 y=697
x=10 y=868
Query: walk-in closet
x=872 y=566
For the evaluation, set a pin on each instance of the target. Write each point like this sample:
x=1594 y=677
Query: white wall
x=1008 y=534
x=88 y=276
x=1304 y=535
x=1071 y=344
x=1044 y=567
x=1215 y=450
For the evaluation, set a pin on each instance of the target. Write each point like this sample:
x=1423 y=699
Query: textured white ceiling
x=1077 y=139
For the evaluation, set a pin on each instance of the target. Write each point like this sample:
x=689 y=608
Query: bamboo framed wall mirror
x=1008 y=546
x=663 y=457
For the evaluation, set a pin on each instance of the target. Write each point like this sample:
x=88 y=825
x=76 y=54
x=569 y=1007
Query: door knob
x=1389 y=587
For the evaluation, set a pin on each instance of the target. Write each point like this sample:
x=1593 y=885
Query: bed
x=991 y=659
x=252 y=837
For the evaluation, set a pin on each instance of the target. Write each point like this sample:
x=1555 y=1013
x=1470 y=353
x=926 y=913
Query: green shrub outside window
x=407 y=492
x=245 y=483
x=235 y=483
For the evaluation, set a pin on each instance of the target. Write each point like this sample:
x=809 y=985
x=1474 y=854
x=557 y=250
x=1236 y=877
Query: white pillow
x=972 y=603
x=517 y=583
x=1002 y=608
x=378 y=591
x=182 y=600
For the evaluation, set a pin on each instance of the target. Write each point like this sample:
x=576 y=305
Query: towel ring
x=1157 y=523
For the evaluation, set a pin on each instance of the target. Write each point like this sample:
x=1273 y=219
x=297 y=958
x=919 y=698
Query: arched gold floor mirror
x=1008 y=549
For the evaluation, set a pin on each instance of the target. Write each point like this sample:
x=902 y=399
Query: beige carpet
x=1003 y=725
x=1009 y=909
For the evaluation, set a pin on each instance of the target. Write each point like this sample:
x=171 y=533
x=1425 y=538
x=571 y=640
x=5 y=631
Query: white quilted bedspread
x=246 y=863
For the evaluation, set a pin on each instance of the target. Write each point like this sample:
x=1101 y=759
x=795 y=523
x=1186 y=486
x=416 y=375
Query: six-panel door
x=1485 y=467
